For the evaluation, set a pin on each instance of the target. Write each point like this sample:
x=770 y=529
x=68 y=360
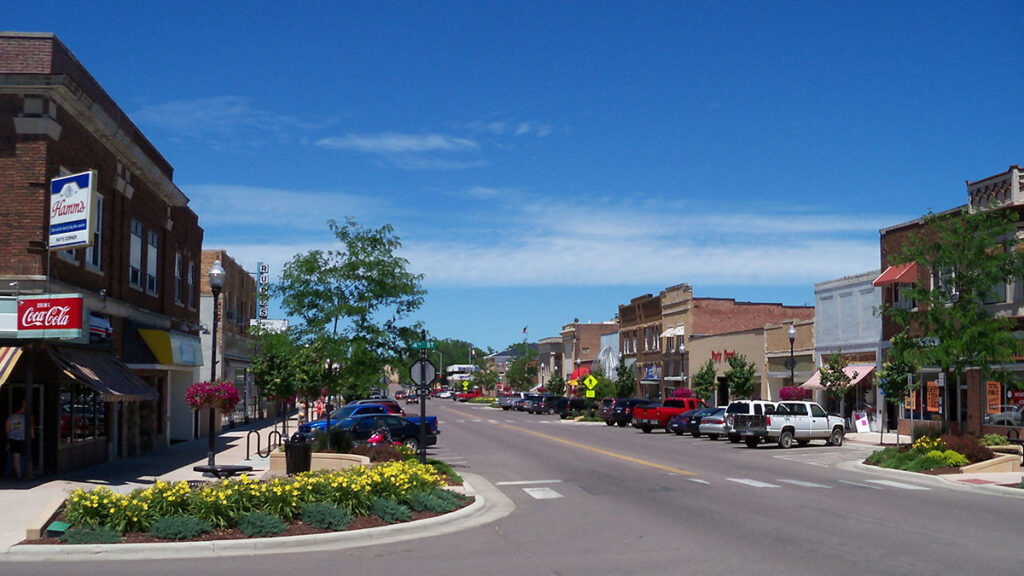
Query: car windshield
x=344 y=412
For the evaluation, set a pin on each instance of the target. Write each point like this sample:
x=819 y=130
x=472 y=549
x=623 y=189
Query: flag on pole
x=524 y=329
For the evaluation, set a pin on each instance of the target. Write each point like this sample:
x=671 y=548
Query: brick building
x=105 y=389
x=581 y=345
x=974 y=406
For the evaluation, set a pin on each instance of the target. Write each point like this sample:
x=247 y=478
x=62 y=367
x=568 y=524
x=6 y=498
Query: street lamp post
x=792 y=365
x=682 y=365
x=216 y=283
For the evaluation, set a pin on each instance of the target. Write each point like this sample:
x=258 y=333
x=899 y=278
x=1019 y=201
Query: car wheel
x=679 y=432
x=609 y=422
x=696 y=434
x=752 y=441
x=411 y=443
x=836 y=439
x=786 y=439
x=646 y=429
x=623 y=424
x=712 y=436
x=734 y=439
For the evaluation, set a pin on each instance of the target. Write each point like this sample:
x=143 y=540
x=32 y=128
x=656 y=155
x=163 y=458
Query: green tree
x=740 y=376
x=625 y=386
x=556 y=385
x=892 y=378
x=970 y=256
x=705 y=381
x=834 y=378
x=485 y=379
x=274 y=364
x=521 y=372
x=357 y=296
x=604 y=388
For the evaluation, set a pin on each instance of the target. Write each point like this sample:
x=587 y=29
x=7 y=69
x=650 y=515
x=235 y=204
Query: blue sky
x=545 y=161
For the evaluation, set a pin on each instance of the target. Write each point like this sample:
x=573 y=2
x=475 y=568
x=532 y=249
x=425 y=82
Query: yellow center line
x=615 y=455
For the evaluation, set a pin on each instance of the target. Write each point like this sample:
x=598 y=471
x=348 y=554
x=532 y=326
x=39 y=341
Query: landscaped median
x=312 y=502
x=950 y=454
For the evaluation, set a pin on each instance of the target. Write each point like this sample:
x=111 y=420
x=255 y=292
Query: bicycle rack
x=271 y=444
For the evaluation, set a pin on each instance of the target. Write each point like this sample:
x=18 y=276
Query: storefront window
x=82 y=414
x=1004 y=404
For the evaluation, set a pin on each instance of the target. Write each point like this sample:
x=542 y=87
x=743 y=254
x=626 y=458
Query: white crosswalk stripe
x=901 y=485
x=542 y=493
x=802 y=483
x=754 y=483
x=859 y=485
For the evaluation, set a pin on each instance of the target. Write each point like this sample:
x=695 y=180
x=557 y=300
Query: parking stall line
x=802 y=483
x=753 y=483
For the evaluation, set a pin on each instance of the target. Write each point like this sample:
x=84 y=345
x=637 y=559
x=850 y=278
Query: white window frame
x=152 y=271
x=135 y=254
x=179 y=280
x=94 y=253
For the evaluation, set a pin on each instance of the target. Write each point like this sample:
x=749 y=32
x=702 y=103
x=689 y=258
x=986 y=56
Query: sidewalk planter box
x=320 y=461
x=1006 y=463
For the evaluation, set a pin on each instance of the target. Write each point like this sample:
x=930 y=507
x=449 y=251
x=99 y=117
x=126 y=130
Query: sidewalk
x=24 y=502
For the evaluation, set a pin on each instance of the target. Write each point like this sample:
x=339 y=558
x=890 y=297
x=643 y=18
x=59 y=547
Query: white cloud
x=222 y=116
x=387 y=143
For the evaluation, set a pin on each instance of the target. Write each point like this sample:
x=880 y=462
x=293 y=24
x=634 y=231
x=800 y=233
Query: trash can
x=298 y=454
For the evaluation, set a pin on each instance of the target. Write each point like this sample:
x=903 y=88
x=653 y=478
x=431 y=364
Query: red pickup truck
x=648 y=418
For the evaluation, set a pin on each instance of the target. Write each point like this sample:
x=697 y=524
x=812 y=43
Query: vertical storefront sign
x=993 y=397
x=933 y=397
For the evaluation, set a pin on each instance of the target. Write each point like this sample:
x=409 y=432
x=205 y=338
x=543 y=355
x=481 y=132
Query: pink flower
x=220 y=395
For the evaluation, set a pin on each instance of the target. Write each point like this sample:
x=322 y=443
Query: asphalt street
x=592 y=499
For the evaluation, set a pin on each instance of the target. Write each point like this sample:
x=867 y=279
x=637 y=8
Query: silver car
x=713 y=424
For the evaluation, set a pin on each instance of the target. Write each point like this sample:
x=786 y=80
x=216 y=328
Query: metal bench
x=222 y=470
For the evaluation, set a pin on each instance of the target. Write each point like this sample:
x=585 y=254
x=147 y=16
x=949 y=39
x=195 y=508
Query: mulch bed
x=296 y=528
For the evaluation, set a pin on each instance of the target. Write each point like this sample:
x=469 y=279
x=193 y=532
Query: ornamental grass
x=222 y=503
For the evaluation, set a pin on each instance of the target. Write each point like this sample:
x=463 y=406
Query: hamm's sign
x=54 y=316
x=72 y=210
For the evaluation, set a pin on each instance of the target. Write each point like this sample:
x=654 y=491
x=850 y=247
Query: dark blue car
x=341 y=417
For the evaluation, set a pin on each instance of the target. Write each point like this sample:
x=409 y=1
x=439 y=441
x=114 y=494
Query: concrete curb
x=929 y=479
x=489 y=505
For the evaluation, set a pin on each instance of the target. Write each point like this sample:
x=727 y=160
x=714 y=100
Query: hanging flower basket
x=220 y=395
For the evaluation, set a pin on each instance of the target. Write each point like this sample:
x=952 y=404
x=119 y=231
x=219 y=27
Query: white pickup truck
x=789 y=421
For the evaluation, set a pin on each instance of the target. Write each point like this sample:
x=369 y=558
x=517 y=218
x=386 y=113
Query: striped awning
x=103 y=373
x=8 y=359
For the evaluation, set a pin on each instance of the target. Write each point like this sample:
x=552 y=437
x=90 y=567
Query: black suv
x=565 y=406
x=622 y=412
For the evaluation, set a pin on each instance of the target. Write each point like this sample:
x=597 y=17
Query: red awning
x=856 y=372
x=905 y=273
x=580 y=372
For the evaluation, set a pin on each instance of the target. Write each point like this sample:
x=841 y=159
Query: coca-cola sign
x=45 y=313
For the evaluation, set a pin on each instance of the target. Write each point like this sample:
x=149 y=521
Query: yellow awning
x=8 y=360
x=173 y=347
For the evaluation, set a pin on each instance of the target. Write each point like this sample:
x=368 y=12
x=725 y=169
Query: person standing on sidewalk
x=16 y=430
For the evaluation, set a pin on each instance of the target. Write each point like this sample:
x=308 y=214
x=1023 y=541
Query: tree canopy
x=705 y=381
x=740 y=376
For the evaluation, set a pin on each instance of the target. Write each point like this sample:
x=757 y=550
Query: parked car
x=518 y=404
x=401 y=429
x=799 y=421
x=467 y=396
x=528 y=402
x=505 y=401
x=647 y=418
x=412 y=398
x=605 y=410
x=391 y=405
x=677 y=424
x=622 y=412
x=339 y=416
x=1008 y=415
x=565 y=406
x=543 y=404
x=400 y=394
x=713 y=424
x=692 y=424
x=745 y=407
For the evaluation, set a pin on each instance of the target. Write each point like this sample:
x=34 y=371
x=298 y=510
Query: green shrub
x=445 y=469
x=178 y=527
x=435 y=500
x=327 y=516
x=993 y=440
x=90 y=535
x=954 y=458
x=260 y=524
x=880 y=457
x=901 y=460
x=969 y=447
x=390 y=511
x=926 y=462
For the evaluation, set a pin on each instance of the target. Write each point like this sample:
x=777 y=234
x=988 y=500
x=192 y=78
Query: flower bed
x=931 y=454
x=357 y=497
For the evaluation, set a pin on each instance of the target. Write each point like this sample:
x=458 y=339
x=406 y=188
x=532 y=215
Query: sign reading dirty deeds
x=72 y=211
x=55 y=316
